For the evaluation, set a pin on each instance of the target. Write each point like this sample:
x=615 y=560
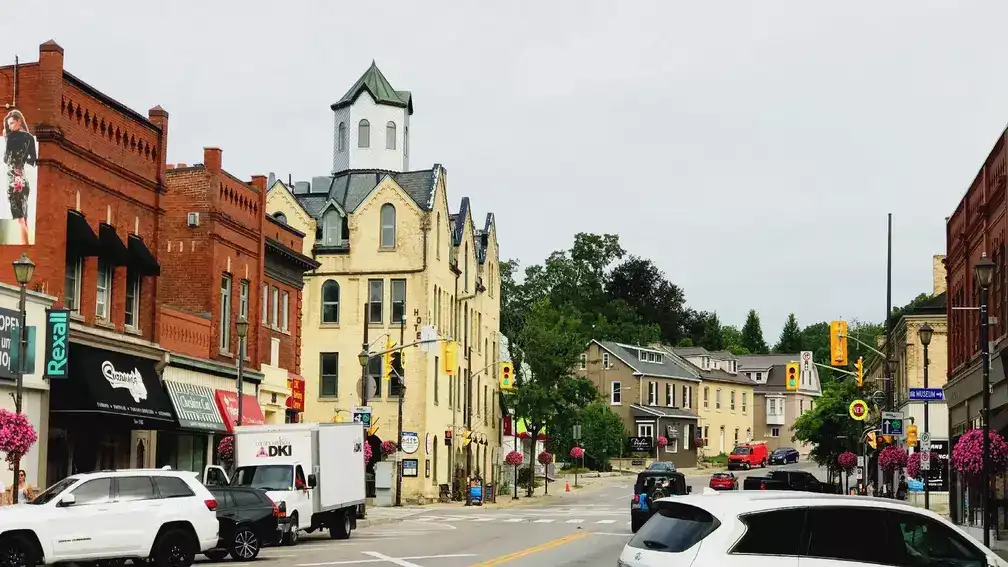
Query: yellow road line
x=529 y=551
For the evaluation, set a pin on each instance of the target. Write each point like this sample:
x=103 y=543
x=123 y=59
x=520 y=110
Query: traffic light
x=911 y=435
x=450 y=357
x=791 y=376
x=838 y=343
x=387 y=359
x=859 y=367
x=872 y=440
x=506 y=376
x=396 y=376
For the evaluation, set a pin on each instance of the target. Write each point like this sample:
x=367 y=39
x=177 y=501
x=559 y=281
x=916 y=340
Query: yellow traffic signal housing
x=859 y=367
x=838 y=343
x=872 y=442
x=791 y=375
x=450 y=356
x=387 y=359
x=506 y=376
x=911 y=435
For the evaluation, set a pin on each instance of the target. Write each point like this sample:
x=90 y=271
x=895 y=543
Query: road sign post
x=925 y=463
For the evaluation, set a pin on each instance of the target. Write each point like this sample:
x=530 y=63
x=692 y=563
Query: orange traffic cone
x=567 y=487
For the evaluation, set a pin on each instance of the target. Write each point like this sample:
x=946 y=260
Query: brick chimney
x=50 y=85
x=938 y=274
x=259 y=182
x=212 y=159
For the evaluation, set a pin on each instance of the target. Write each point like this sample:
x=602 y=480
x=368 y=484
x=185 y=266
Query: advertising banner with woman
x=18 y=181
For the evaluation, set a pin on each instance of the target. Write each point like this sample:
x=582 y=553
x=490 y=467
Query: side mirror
x=68 y=500
x=689 y=490
x=312 y=481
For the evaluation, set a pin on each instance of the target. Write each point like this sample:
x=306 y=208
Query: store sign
x=10 y=320
x=130 y=380
x=410 y=442
x=57 y=343
x=641 y=444
x=295 y=400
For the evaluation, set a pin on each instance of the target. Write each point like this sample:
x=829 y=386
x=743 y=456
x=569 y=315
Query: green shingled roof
x=379 y=88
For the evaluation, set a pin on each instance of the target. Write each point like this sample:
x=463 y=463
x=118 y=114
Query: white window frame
x=372 y=295
x=685 y=437
x=775 y=432
x=706 y=397
x=364 y=134
x=669 y=398
x=332 y=228
x=731 y=400
x=133 y=287
x=387 y=231
x=615 y=393
x=672 y=446
x=275 y=307
x=652 y=393
x=605 y=360
x=395 y=286
x=717 y=399
x=72 y=283
x=645 y=430
x=103 y=290
x=327 y=303
x=265 y=305
x=225 y=313
x=243 y=299
x=341 y=137
x=284 y=311
x=687 y=397
x=390 y=135
x=744 y=406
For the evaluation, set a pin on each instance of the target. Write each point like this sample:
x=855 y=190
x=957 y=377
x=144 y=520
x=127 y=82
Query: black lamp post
x=984 y=273
x=925 y=333
x=363 y=358
x=24 y=269
x=242 y=328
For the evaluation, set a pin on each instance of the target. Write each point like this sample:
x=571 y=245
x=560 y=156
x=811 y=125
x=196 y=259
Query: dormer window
x=280 y=217
x=332 y=228
x=388 y=226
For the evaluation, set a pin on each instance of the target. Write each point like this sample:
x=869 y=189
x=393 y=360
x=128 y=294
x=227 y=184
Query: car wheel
x=746 y=466
x=244 y=544
x=291 y=537
x=174 y=548
x=17 y=552
x=343 y=528
x=216 y=555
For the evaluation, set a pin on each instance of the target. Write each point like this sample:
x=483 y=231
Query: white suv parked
x=164 y=515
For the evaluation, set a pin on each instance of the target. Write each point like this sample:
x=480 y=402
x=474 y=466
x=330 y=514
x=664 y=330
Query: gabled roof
x=764 y=361
x=671 y=365
x=349 y=188
x=375 y=83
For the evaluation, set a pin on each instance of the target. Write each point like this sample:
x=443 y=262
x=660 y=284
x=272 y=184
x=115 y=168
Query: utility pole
x=890 y=402
x=402 y=394
x=365 y=347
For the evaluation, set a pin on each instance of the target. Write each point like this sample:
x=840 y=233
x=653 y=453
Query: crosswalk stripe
x=513 y=520
x=426 y=518
x=484 y=519
x=574 y=521
x=606 y=522
x=544 y=521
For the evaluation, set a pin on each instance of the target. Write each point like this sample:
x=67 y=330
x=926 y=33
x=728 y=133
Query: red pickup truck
x=747 y=456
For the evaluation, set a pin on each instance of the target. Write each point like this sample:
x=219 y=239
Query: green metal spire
x=375 y=83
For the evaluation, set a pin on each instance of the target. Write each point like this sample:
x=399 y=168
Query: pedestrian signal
x=791 y=376
x=450 y=357
x=838 y=343
x=506 y=376
x=859 y=367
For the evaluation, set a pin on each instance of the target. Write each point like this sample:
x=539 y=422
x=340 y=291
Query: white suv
x=164 y=515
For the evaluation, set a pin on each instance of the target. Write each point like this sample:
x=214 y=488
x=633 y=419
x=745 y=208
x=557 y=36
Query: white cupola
x=371 y=125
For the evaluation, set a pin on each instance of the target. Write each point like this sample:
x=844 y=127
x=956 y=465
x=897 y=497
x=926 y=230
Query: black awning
x=81 y=240
x=140 y=257
x=111 y=383
x=113 y=250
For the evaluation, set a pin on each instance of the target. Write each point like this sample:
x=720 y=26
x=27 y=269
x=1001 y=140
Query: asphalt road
x=586 y=528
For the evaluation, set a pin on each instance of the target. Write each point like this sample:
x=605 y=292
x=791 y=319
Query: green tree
x=790 y=338
x=732 y=339
x=828 y=427
x=603 y=435
x=752 y=334
x=550 y=344
x=646 y=290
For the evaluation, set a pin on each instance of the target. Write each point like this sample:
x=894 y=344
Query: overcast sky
x=751 y=149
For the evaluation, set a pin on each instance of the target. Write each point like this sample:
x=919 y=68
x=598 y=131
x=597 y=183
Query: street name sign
x=927 y=395
x=892 y=423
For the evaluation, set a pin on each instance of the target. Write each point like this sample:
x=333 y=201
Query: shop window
x=182 y=451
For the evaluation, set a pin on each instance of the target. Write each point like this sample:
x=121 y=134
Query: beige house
x=776 y=408
x=654 y=393
x=727 y=400
x=390 y=251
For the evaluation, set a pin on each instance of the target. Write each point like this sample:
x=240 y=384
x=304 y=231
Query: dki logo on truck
x=280 y=448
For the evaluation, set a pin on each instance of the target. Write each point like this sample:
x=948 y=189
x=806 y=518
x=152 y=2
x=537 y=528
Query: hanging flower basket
x=388 y=447
x=545 y=458
x=847 y=461
x=662 y=441
x=913 y=464
x=967 y=455
x=225 y=450
x=514 y=458
x=368 y=453
x=576 y=453
x=892 y=458
x=17 y=435
x=699 y=442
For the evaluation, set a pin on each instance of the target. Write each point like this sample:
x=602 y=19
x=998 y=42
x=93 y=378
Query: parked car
x=786 y=480
x=724 y=481
x=650 y=486
x=159 y=514
x=783 y=456
x=790 y=529
x=747 y=456
x=249 y=521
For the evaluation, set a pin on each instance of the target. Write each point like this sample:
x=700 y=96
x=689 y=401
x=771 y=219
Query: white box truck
x=315 y=469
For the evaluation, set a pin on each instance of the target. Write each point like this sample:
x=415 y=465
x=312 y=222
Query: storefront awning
x=195 y=406
x=140 y=257
x=111 y=383
x=113 y=250
x=81 y=240
x=227 y=402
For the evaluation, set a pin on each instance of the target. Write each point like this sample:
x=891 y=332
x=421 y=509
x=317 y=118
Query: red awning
x=252 y=414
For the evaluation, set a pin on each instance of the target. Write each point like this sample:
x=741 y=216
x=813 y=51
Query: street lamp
x=242 y=327
x=984 y=273
x=925 y=333
x=24 y=269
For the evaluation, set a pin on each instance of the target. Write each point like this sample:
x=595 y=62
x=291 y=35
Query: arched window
x=405 y=141
x=390 y=135
x=332 y=228
x=280 y=217
x=364 y=134
x=388 y=227
x=341 y=137
x=330 y=302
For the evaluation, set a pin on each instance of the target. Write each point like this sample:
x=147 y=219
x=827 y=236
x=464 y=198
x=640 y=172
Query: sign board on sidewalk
x=892 y=423
x=927 y=395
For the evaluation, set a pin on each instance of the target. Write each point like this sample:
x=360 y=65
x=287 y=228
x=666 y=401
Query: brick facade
x=95 y=156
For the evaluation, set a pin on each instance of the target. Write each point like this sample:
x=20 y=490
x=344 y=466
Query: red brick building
x=94 y=179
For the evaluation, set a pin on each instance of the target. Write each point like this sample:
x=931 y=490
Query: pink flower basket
x=514 y=458
x=17 y=435
x=967 y=455
x=388 y=447
x=847 y=461
x=368 y=453
x=225 y=450
x=545 y=458
x=700 y=442
x=576 y=453
x=892 y=458
x=662 y=441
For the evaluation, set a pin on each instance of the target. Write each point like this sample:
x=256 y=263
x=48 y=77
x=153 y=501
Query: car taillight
x=762 y=486
x=276 y=510
x=211 y=504
x=636 y=498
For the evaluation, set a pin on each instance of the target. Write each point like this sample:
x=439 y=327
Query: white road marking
x=484 y=519
x=425 y=519
x=606 y=522
x=513 y=520
x=574 y=521
x=544 y=521
x=610 y=534
x=416 y=557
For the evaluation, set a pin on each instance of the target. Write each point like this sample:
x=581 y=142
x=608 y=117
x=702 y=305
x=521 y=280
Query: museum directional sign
x=927 y=395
